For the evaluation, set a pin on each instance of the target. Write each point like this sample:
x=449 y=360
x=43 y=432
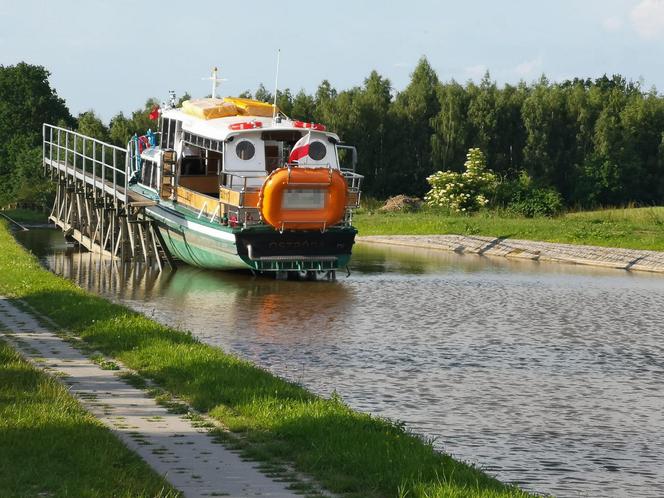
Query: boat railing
x=206 y=206
x=97 y=164
x=354 y=182
x=238 y=197
x=242 y=182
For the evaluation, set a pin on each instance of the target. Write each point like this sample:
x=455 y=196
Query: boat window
x=245 y=150
x=317 y=150
x=149 y=174
x=168 y=127
x=193 y=163
x=289 y=136
x=202 y=142
x=214 y=161
x=274 y=155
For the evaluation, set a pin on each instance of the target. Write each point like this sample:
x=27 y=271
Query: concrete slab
x=625 y=259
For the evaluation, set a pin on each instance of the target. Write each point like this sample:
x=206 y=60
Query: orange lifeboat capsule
x=303 y=198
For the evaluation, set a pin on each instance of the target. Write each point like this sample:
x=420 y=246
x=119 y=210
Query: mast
x=215 y=81
x=276 y=86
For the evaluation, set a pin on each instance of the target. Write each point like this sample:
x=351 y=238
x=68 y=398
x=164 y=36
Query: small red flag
x=154 y=114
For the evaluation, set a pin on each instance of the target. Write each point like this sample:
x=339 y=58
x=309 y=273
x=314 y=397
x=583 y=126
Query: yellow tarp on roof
x=209 y=108
x=250 y=107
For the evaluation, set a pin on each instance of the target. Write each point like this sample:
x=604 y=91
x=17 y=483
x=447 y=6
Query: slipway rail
x=93 y=204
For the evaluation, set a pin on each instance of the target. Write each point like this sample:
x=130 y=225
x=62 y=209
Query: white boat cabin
x=214 y=155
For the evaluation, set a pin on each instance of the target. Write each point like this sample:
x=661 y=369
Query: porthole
x=317 y=150
x=245 y=150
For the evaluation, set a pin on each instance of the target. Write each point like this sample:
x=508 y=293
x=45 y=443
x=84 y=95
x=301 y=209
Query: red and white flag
x=300 y=149
x=154 y=113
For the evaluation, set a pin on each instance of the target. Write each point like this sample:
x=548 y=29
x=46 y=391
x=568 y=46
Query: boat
x=235 y=183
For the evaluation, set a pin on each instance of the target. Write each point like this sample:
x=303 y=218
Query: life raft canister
x=303 y=198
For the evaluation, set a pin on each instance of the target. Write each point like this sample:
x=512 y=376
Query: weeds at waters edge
x=50 y=446
x=349 y=453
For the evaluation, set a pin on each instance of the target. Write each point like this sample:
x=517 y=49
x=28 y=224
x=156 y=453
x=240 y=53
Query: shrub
x=463 y=192
x=531 y=202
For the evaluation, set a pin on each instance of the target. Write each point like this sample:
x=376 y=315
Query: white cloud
x=612 y=24
x=529 y=68
x=648 y=18
x=475 y=72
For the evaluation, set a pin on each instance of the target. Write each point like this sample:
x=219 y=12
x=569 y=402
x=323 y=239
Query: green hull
x=214 y=246
x=201 y=251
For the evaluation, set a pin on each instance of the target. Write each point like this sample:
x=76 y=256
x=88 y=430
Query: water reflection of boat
x=197 y=293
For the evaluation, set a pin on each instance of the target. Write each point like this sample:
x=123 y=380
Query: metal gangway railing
x=93 y=204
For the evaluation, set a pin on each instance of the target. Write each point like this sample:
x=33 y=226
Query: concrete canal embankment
x=608 y=257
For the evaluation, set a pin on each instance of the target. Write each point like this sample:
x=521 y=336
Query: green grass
x=632 y=228
x=26 y=215
x=50 y=446
x=348 y=452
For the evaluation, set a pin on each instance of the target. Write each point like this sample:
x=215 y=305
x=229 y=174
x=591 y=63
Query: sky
x=110 y=56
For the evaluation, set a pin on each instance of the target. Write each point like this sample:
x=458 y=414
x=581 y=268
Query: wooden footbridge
x=93 y=204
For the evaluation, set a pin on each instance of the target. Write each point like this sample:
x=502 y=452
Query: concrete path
x=626 y=259
x=172 y=445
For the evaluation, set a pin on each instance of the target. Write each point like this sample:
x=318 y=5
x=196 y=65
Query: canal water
x=549 y=376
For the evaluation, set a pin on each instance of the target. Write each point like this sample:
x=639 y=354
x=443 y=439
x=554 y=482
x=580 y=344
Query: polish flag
x=300 y=149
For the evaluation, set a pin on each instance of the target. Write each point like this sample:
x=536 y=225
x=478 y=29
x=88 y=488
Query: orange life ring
x=313 y=126
x=303 y=198
x=245 y=125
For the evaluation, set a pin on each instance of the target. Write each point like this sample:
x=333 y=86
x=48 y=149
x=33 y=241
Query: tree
x=27 y=102
x=123 y=128
x=483 y=116
x=120 y=130
x=90 y=125
x=450 y=138
x=324 y=101
x=263 y=94
x=550 y=137
x=414 y=111
x=285 y=101
x=303 y=107
x=506 y=155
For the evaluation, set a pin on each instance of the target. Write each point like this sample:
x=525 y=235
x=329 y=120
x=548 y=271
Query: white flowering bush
x=463 y=192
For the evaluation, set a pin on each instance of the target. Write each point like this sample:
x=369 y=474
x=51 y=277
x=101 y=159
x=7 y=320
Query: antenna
x=276 y=86
x=215 y=81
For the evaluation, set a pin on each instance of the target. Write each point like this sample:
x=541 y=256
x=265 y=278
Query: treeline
x=596 y=142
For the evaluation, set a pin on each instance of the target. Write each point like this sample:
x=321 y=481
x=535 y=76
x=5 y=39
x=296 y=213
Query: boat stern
x=269 y=250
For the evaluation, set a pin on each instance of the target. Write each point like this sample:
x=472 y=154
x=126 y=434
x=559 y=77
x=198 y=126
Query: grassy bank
x=26 y=215
x=633 y=228
x=346 y=451
x=50 y=446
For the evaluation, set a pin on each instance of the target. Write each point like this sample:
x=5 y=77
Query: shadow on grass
x=347 y=451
